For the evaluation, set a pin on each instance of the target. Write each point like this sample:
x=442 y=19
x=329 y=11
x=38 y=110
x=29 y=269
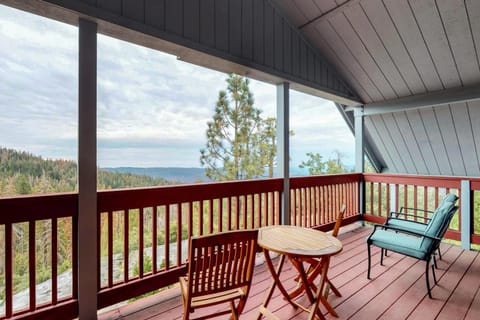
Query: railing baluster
x=99 y=251
x=200 y=218
x=387 y=198
x=54 y=260
x=110 y=248
x=190 y=220
x=229 y=213
x=237 y=212
x=257 y=201
x=251 y=210
x=415 y=199
x=125 y=244
x=335 y=194
x=179 y=234
x=307 y=218
x=74 y=258
x=210 y=216
x=167 y=237
x=396 y=197
x=425 y=200
x=140 y=242
x=220 y=214
x=379 y=195
x=8 y=270
x=154 y=239
x=32 y=264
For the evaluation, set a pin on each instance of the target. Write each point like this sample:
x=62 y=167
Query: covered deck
x=396 y=292
x=404 y=75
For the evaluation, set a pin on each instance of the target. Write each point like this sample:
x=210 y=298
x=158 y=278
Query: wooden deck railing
x=19 y=218
x=171 y=215
x=385 y=193
x=143 y=233
x=315 y=201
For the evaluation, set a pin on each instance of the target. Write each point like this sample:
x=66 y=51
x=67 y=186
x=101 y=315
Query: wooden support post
x=359 y=155
x=466 y=217
x=283 y=147
x=87 y=170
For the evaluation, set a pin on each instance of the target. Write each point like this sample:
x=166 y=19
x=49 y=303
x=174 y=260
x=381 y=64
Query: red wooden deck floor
x=397 y=290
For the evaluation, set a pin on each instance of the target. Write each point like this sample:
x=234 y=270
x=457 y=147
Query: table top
x=298 y=241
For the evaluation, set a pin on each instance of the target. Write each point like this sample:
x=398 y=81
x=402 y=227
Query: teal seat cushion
x=407 y=225
x=399 y=242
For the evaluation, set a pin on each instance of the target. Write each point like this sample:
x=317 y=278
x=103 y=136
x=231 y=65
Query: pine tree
x=240 y=144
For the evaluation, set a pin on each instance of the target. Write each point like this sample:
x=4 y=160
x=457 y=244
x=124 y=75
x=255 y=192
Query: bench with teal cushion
x=417 y=243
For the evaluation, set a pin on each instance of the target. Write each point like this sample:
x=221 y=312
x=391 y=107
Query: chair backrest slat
x=338 y=223
x=221 y=262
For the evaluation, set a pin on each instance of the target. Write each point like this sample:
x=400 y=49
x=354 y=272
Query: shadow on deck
x=397 y=290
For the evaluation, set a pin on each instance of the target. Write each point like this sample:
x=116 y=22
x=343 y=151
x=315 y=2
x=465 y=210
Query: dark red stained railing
x=315 y=201
x=475 y=228
x=422 y=192
x=179 y=212
x=204 y=208
x=30 y=209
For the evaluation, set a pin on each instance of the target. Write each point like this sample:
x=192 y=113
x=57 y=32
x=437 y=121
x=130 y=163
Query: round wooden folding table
x=298 y=244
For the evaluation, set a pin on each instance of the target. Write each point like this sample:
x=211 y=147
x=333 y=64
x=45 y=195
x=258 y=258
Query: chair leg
x=434 y=276
x=369 y=261
x=439 y=253
x=427 y=279
x=381 y=257
x=435 y=262
x=234 y=311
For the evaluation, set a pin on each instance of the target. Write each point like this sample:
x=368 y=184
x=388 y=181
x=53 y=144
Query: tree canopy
x=316 y=165
x=240 y=143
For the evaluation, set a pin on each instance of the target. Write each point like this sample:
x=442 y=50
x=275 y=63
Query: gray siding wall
x=252 y=33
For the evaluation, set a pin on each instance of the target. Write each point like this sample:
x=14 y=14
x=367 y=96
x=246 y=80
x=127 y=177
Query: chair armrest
x=395 y=218
x=387 y=227
x=414 y=233
x=396 y=214
x=410 y=209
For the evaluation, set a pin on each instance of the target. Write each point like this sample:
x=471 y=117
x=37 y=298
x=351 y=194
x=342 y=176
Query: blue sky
x=152 y=108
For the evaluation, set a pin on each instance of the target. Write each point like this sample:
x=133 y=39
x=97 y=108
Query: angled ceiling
x=414 y=64
x=388 y=50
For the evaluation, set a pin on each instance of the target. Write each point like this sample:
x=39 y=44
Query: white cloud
x=152 y=108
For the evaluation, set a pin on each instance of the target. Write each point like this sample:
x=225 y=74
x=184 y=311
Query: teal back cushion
x=439 y=218
x=450 y=198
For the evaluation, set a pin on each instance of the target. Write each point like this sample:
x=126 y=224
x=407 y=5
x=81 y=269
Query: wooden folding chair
x=220 y=269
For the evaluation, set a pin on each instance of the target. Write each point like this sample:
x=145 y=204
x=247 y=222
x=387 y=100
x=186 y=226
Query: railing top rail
x=38 y=207
x=428 y=181
x=327 y=179
x=165 y=195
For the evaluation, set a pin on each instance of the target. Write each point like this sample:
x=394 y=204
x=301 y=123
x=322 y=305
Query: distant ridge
x=174 y=174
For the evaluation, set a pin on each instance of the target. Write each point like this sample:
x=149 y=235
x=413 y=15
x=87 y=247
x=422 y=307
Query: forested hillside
x=24 y=173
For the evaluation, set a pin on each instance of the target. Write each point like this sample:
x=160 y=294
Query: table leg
x=320 y=298
x=305 y=282
x=276 y=281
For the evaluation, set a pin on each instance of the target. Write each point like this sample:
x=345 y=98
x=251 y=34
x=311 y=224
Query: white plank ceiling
x=390 y=49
